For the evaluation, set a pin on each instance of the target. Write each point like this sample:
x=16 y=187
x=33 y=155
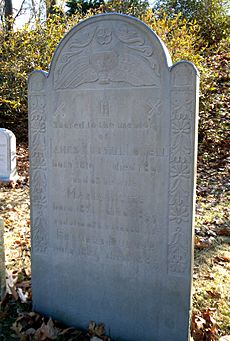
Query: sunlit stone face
x=112 y=145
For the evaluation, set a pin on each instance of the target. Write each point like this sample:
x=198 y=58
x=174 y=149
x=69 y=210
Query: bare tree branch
x=20 y=9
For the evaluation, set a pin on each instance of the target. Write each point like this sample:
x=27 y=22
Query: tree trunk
x=9 y=14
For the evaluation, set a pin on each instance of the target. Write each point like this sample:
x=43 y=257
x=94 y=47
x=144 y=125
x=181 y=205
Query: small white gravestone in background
x=7 y=155
x=113 y=148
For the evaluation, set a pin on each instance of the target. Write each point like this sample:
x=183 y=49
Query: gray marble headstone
x=113 y=146
x=7 y=155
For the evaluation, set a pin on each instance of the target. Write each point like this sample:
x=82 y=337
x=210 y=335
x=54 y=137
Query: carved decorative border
x=38 y=171
x=181 y=165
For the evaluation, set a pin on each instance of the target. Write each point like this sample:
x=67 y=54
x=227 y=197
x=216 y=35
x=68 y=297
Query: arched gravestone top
x=113 y=130
x=113 y=36
x=8 y=170
x=97 y=50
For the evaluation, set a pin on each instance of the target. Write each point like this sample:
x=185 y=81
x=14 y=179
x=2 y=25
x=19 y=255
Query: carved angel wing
x=135 y=71
x=75 y=73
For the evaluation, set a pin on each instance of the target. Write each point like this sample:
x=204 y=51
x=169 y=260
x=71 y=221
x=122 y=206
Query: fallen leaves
x=18 y=291
x=23 y=297
x=97 y=331
x=14 y=210
x=211 y=286
x=224 y=231
x=204 y=326
x=202 y=243
x=220 y=259
x=213 y=294
x=209 y=276
x=33 y=327
x=46 y=331
x=11 y=285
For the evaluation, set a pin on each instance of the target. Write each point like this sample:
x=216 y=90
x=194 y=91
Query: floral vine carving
x=37 y=114
x=177 y=252
x=39 y=234
x=180 y=172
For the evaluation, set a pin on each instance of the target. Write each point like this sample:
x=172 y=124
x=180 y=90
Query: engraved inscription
x=105 y=191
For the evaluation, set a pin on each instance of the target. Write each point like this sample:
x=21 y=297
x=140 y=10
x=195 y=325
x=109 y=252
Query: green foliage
x=23 y=51
x=214 y=20
x=180 y=37
x=187 y=8
x=136 y=8
x=211 y=15
x=131 y=7
x=82 y=6
x=215 y=100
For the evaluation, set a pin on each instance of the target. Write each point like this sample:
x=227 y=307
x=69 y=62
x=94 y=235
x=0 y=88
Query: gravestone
x=113 y=145
x=7 y=155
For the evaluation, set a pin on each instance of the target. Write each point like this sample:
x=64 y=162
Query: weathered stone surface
x=112 y=145
x=7 y=155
